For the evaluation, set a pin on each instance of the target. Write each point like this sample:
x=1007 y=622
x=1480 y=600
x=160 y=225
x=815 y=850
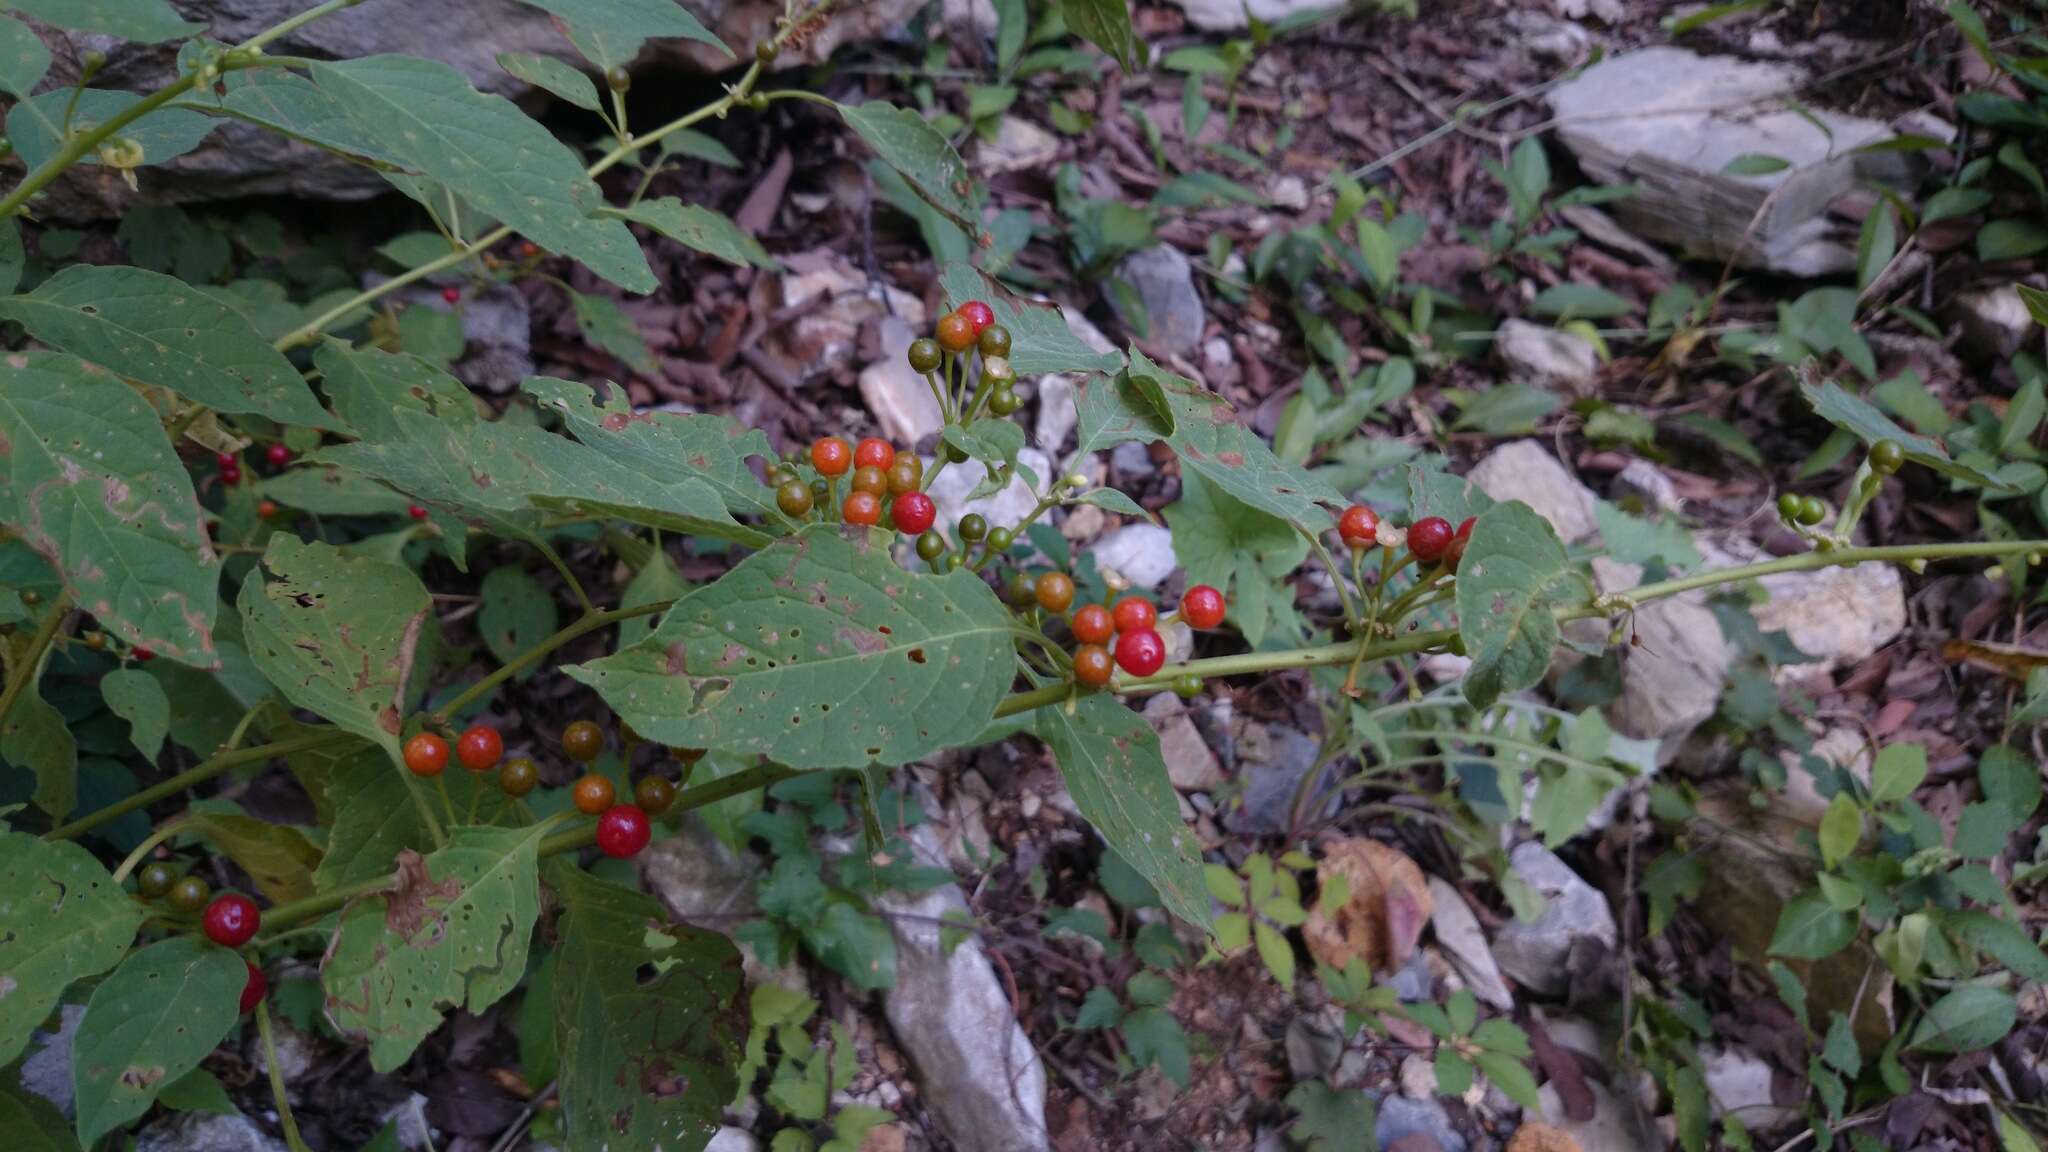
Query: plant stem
x=1808 y=561
x=284 y=1107
x=32 y=660
x=318 y=324
x=155 y=838
x=589 y=622
x=280 y=31
x=198 y=774
x=76 y=147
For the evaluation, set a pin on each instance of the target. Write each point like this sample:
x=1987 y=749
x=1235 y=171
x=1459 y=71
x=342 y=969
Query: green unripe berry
x=766 y=51
x=953 y=453
x=618 y=80
x=994 y=341
x=1886 y=457
x=999 y=540
x=794 y=498
x=955 y=561
x=1789 y=505
x=1187 y=687
x=1005 y=401
x=1812 y=511
x=155 y=879
x=973 y=527
x=924 y=355
x=189 y=893
x=1022 y=590
x=820 y=488
x=930 y=546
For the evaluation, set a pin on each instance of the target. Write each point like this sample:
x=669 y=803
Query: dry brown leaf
x=1542 y=1138
x=2009 y=659
x=1388 y=907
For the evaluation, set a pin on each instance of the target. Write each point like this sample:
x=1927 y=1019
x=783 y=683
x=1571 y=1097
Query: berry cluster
x=883 y=480
x=229 y=919
x=1431 y=540
x=1124 y=635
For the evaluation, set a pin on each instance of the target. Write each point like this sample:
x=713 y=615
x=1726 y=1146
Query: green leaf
x=1275 y=952
x=326 y=490
x=1585 y=301
x=2022 y=415
x=516 y=613
x=656 y=582
x=489 y=153
x=12 y=258
x=1510 y=1075
x=992 y=440
x=1508 y=410
x=1968 y=1018
x=606 y=325
x=1453 y=1074
x=158 y=330
x=2036 y=301
x=66 y=920
x=1840 y=829
x=338 y=635
x=23 y=60
x=1223 y=884
x=2006 y=942
x=1722 y=435
x=1109 y=756
x=135 y=696
x=197 y=1091
x=1755 y=164
x=819 y=651
x=2010 y=780
x=1876 y=244
x=611 y=33
x=2013 y=1136
x=1329 y=1120
x=1155 y=1038
x=92 y=483
x=143 y=21
x=704 y=229
x=1514 y=575
x=553 y=77
x=1858 y=418
x=374 y=819
x=1982 y=830
x=1105 y=24
x=1436 y=493
x=35 y=736
x=1897 y=771
x=1567 y=793
x=369 y=387
x=1040 y=340
x=162 y=135
x=644 y=1061
x=1809 y=928
x=149 y=1023
x=2010 y=239
x=277 y=857
x=452 y=931
x=925 y=158
x=31 y=1122
x=1224 y=542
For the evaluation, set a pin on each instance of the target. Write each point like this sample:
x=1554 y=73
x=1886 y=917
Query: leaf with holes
x=143 y=21
x=451 y=932
x=368 y=386
x=644 y=1063
x=91 y=482
x=149 y=1023
x=705 y=229
x=159 y=330
x=490 y=153
x=1109 y=756
x=1514 y=576
x=610 y=33
x=922 y=154
x=1855 y=416
x=517 y=613
x=137 y=697
x=278 y=857
x=375 y=818
x=819 y=651
x=337 y=634
x=676 y=445
x=1041 y=342
x=66 y=920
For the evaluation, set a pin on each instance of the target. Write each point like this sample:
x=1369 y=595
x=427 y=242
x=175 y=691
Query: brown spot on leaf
x=678 y=659
x=860 y=639
x=416 y=900
x=140 y=1078
x=615 y=422
x=1231 y=459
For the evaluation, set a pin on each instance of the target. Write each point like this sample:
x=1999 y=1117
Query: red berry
x=226 y=460
x=266 y=508
x=861 y=508
x=955 y=332
x=231 y=476
x=1460 y=540
x=914 y=512
x=416 y=512
x=874 y=453
x=278 y=455
x=622 y=831
x=479 y=748
x=451 y=294
x=1140 y=652
x=145 y=655
x=978 y=314
x=426 y=754
x=1202 y=607
x=231 y=920
x=1358 y=527
x=1134 y=614
x=1428 y=538
x=252 y=992
x=830 y=456
x=1092 y=665
x=1093 y=625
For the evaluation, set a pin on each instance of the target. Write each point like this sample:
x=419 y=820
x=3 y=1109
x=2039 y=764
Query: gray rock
x=1993 y=323
x=700 y=881
x=1616 y=1126
x=1131 y=460
x=1190 y=762
x=1739 y=1081
x=1056 y=414
x=1272 y=776
x=1458 y=933
x=733 y=1140
x=1548 y=38
x=410 y=1114
x=1313 y=1047
x=205 y=1132
x=47 y=1071
x=1019 y=146
x=1547 y=357
x=1163 y=281
x=1009 y=506
x=1140 y=552
x=1536 y=955
x=1649 y=481
x=1400 y=1116
x=1670 y=121
x=1412 y=981
x=1229 y=15
x=1525 y=470
x=979 y=1074
x=497 y=331
x=1838 y=616
x=1671 y=682
x=900 y=399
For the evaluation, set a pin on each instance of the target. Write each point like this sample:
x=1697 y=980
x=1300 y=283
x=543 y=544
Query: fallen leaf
x=2009 y=659
x=1387 y=908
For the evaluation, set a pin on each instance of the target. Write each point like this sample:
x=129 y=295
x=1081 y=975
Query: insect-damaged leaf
x=65 y=920
x=644 y=1063
x=90 y=481
x=819 y=651
x=1514 y=574
x=453 y=930
x=712 y=449
x=278 y=857
x=149 y=1023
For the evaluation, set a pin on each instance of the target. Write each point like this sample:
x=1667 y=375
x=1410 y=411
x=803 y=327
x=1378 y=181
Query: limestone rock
x=1140 y=552
x=1547 y=357
x=1229 y=15
x=1994 y=324
x=1163 y=283
x=1458 y=933
x=1537 y=955
x=1525 y=470
x=1190 y=762
x=900 y=399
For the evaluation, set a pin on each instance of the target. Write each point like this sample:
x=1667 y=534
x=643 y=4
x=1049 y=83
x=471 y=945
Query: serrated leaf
x=277 y=857
x=1040 y=340
x=923 y=155
x=66 y=920
x=164 y=134
x=91 y=482
x=606 y=326
x=704 y=229
x=337 y=634
x=553 y=77
x=644 y=1063
x=149 y=1023
x=1103 y=23
x=137 y=697
x=517 y=613
x=1275 y=953
x=1970 y=1017
x=1511 y=1076
x=1858 y=418
x=819 y=651
x=1109 y=757
x=161 y=331
x=1513 y=577
x=452 y=931
x=610 y=33
x=1156 y=1038
x=1809 y=928
x=33 y=1123
x=1205 y=433
x=489 y=153
x=24 y=60
x=143 y=21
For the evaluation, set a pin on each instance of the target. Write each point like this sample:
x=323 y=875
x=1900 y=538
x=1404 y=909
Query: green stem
x=198 y=774
x=284 y=1107
x=1808 y=561
x=32 y=660
x=142 y=850
x=589 y=622
x=318 y=324
x=280 y=31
